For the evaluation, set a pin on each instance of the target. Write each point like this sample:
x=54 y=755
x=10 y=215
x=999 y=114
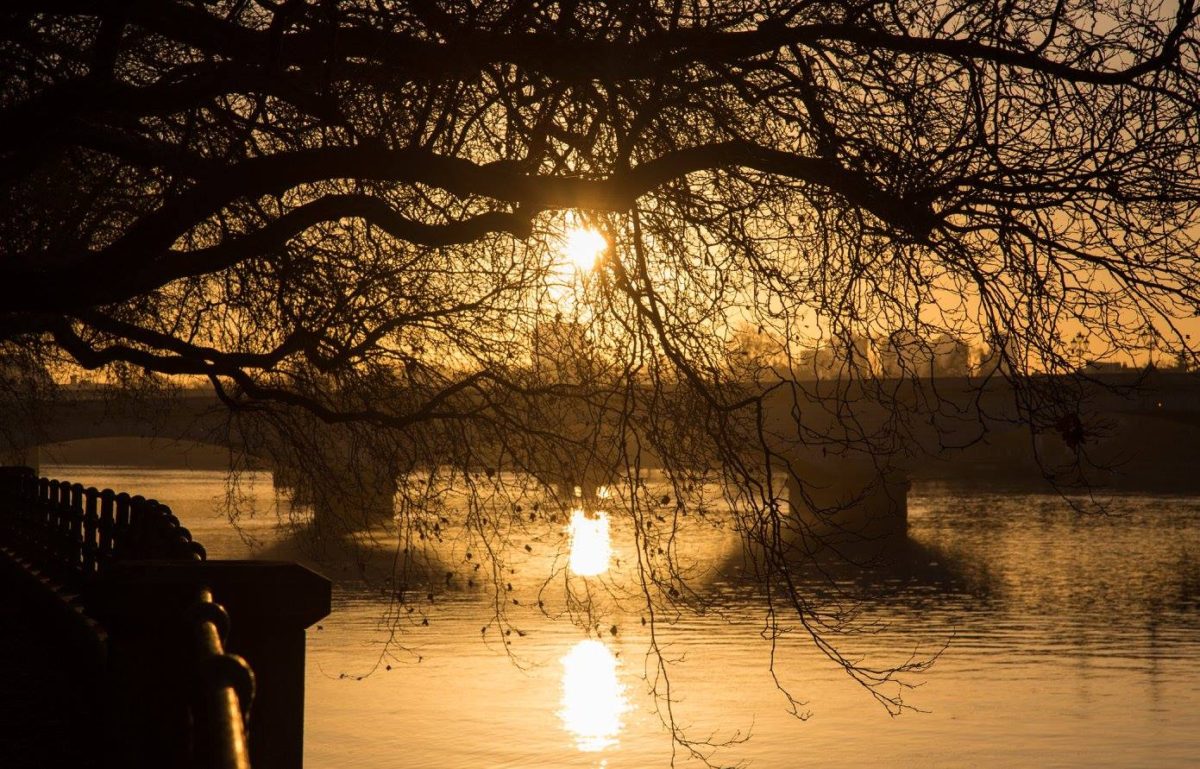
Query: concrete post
x=270 y=604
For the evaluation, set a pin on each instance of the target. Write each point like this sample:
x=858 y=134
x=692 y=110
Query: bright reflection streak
x=590 y=545
x=593 y=698
x=584 y=247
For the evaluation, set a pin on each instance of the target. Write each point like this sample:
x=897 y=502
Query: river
x=1070 y=640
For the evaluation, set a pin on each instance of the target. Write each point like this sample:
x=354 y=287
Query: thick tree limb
x=651 y=55
x=142 y=259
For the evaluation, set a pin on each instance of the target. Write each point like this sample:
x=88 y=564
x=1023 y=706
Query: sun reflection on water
x=593 y=699
x=591 y=547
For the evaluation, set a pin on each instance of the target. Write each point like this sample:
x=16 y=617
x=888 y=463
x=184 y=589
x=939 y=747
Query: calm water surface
x=1070 y=641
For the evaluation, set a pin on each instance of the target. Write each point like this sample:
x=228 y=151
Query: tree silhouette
x=354 y=213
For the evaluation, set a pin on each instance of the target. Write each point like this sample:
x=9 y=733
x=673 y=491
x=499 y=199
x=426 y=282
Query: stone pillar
x=844 y=501
x=359 y=497
x=142 y=604
x=347 y=490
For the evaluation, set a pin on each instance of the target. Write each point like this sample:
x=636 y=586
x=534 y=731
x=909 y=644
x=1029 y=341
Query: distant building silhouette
x=1103 y=367
x=903 y=353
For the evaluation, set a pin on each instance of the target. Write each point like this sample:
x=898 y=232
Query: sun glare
x=593 y=698
x=590 y=545
x=584 y=248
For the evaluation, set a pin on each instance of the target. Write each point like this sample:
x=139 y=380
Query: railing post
x=40 y=520
x=178 y=539
x=57 y=522
x=75 y=532
x=137 y=528
x=120 y=532
x=104 y=545
x=48 y=517
x=62 y=529
x=89 y=550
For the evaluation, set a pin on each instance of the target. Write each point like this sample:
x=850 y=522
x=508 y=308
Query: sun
x=584 y=247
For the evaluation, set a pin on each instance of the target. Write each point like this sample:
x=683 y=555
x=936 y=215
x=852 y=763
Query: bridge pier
x=343 y=495
x=362 y=499
x=847 y=501
x=572 y=479
x=576 y=488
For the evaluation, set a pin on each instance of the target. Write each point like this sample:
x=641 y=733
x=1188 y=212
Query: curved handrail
x=224 y=691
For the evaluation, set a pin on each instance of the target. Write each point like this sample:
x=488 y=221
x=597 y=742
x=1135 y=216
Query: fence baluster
x=75 y=530
x=141 y=525
x=121 y=527
x=49 y=540
x=62 y=531
x=91 y=520
x=104 y=546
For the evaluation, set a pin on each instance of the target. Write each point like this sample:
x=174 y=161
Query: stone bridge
x=76 y=413
x=1133 y=428
x=1127 y=424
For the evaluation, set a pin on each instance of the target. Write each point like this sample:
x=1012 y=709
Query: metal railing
x=224 y=692
x=75 y=535
x=76 y=532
